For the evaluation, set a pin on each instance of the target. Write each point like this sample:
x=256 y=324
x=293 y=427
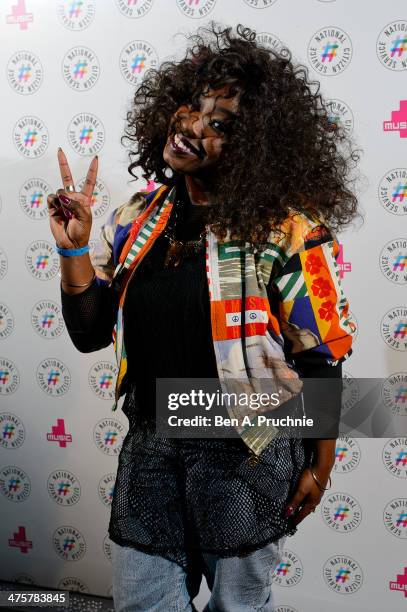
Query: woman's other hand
x=70 y=213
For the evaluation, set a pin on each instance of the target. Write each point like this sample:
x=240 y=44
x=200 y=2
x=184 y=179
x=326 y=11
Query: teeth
x=180 y=144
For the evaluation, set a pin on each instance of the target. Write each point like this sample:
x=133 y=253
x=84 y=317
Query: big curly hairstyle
x=283 y=152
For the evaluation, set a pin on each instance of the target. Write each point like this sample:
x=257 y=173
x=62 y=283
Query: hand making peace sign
x=69 y=211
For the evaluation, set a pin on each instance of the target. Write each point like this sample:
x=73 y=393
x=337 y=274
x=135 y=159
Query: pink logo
x=19 y=540
x=19 y=15
x=151 y=185
x=400 y=584
x=344 y=266
x=398 y=121
x=58 y=434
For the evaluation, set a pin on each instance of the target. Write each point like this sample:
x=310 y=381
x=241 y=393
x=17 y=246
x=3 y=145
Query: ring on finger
x=70 y=188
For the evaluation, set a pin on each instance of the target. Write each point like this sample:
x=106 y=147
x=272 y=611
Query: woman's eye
x=219 y=126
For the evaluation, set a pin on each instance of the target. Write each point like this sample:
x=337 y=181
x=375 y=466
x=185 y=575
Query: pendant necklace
x=180 y=249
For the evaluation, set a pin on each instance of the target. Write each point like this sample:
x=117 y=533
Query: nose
x=191 y=124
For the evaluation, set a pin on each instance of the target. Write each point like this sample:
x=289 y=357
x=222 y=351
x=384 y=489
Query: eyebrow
x=227 y=111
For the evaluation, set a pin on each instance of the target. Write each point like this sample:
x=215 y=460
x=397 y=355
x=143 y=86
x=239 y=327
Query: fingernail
x=288 y=511
x=68 y=214
x=59 y=149
x=96 y=156
x=64 y=199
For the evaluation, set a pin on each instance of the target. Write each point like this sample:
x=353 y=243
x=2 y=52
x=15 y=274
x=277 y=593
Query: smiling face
x=198 y=131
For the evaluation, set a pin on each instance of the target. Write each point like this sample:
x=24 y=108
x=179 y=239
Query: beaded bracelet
x=72 y=252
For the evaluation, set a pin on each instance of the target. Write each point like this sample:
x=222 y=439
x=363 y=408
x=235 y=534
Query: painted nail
x=288 y=511
x=59 y=149
x=64 y=199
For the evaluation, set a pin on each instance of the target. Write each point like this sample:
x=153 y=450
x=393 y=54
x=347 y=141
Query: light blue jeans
x=150 y=583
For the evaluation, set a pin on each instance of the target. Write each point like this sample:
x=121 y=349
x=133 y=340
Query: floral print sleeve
x=312 y=307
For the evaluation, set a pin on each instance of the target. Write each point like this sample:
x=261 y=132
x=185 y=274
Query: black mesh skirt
x=176 y=497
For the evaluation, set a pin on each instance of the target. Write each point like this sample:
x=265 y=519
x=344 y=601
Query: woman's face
x=196 y=134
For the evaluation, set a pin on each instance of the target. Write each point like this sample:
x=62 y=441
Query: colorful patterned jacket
x=313 y=312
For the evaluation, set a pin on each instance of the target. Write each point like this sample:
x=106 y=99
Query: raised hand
x=69 y=211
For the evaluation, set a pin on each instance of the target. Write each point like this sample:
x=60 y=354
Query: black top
x=176 y=497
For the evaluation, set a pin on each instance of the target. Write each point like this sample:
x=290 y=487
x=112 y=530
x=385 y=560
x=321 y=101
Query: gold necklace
x=180 y=249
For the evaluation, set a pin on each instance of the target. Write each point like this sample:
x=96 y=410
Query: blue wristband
x=72 y=252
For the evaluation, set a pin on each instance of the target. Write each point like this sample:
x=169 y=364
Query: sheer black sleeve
x=90 y=316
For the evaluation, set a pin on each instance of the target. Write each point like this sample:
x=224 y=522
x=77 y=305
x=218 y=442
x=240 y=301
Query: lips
x=187 y=145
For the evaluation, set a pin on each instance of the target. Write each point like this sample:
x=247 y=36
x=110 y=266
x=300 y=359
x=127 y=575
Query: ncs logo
x=69 y=543
x=9 y=377
x=135 y=58
x=12 y=432
x=330 y=51
x=347 y=455
x=394 y=393
x=107 y=547
x=108 y=435
x=395 y=517
x=80 y=68
x=64 y=488
x=102 y=379
x=53 y=377
x=394 y=457
x=106 y=489
x=30 y=136
x=289 y=570
x=24 y=72
x=76 y=14
x=72 y=583
x=343 y=574
x=392 y=46
x=15 y=484
x=47 y=320
x=393 y=328
x=393 y=191
x=195 y=9
x=86 y=134
x=33 y=198
x=341 y=512
x=6 y=321
x=41 y=260
x=393 y=261
x=398 y=121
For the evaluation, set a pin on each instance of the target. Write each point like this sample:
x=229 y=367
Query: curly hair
x=283 y=153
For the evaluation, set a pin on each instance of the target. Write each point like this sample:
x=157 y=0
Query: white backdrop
x=67 y=73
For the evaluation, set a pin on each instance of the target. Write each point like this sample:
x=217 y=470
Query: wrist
x=72 y=251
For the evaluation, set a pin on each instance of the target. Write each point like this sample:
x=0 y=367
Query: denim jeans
x=150 y=583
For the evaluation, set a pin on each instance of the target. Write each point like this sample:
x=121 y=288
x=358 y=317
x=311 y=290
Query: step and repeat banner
x=67 y=72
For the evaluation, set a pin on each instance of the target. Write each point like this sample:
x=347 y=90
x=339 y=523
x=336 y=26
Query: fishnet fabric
x=176 y=496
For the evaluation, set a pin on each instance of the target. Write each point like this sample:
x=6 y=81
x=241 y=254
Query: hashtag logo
x=401 y=330
x=75 y=9
x=30 y=137
x=341 y=513
x=85 y=135
x=329 y=52
x=63 y=488
x=80 y=69
x=105 y=381
x=400 y=263
x=36 y=200
x=110 y=437
x=53 y=377
x=399 y=193
x=342 y=575
x=14 y=484
x=4 y=376
x=138 y=63
x=24 y=73
x=398 y=46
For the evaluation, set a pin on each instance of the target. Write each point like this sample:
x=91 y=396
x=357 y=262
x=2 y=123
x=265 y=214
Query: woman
x=253 y=182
